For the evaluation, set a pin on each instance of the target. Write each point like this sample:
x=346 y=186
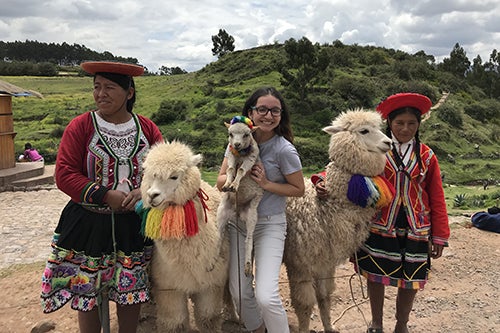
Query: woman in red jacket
x=414 y=227
x=97 y=249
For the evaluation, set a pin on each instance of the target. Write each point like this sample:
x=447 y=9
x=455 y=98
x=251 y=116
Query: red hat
x=401 y=100
x=93 y=67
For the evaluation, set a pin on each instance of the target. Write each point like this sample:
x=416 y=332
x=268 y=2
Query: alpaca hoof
x=248 y=269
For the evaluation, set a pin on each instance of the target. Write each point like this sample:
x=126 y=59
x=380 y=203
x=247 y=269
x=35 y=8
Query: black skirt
x=401 y=261
x=95 y=252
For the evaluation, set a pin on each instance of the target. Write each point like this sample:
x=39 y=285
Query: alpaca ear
x=332 y=129
x=254 y=128
x=227 y=124
x=196 y=159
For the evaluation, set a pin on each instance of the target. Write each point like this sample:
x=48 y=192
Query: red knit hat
x=401 y=100
x=93 y=67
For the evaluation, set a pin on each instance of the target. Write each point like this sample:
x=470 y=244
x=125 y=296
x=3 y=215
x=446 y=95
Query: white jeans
x=264 y=303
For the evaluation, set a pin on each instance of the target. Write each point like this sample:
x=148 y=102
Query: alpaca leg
x=303 y=299
x=208 y=306
x=249 y=247
x=250 y=217
x=229 y=179
x=324 y=290
x=172 y=312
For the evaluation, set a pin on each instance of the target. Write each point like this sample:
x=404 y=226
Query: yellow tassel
x=153 y=223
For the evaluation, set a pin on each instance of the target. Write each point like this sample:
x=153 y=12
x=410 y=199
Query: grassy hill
x=192 y=107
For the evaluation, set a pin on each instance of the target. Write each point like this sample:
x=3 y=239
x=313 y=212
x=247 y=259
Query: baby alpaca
x=241 y=194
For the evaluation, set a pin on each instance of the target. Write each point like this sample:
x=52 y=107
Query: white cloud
x=174 y=33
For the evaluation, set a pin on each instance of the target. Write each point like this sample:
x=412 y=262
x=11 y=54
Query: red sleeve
x=70 y=170
x=150 y=130
x=320 y=176
x=438 y=215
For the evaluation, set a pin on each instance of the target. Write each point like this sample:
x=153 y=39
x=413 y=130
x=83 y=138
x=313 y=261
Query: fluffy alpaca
x=241 y=194
x=179 y=213
x=322 y=233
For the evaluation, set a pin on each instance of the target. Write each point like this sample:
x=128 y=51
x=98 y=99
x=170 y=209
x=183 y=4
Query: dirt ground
x=462 y=295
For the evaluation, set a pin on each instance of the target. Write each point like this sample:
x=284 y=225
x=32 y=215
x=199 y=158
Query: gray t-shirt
x=279 y=158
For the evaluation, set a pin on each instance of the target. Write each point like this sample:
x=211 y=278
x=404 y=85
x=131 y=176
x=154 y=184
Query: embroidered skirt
x=94 y=252
x=401 y=261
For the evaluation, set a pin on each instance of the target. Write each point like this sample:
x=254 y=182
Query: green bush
x=169 y=112
x=450 y=115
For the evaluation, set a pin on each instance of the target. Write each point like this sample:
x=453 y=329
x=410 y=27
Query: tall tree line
x=59 y=54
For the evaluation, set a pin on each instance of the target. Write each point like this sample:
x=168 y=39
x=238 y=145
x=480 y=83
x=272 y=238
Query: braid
x=417 y=152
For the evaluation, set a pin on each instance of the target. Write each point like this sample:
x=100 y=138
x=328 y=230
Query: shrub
x=170 y=111
x=450 y=115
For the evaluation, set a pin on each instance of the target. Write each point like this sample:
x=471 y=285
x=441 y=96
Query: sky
x=178 y=33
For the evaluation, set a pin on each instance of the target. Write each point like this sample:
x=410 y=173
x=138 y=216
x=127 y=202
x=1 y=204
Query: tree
x=164 y=70
x=223 y=43
x=305 y=62
x=458 y=63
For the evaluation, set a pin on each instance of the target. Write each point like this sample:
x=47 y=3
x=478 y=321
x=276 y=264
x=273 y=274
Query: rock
x=43 y=327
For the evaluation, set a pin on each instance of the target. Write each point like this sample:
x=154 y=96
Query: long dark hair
x=418 y=115
x=284 y=128
x=124 y=81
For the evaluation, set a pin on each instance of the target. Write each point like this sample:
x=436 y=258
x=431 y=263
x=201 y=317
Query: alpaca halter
x=175 y=221
x=375 y=192
x=243 y=152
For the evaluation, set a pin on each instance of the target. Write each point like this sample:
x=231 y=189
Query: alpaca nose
x=153 y=194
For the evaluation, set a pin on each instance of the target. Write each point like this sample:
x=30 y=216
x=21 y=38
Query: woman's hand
x=258 y=174
x=131 y=199
x=435 y=250
x=321 y=190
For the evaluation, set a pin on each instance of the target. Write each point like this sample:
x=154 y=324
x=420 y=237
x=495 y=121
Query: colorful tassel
x=242 y=119
x=153 y=223
x=370 y=191
x=173 y=222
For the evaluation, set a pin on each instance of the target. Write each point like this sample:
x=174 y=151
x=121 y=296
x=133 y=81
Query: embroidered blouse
x=95 y=156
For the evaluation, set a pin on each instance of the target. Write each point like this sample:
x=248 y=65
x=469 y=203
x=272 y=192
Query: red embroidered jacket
x=421 y=191
x=86 y=168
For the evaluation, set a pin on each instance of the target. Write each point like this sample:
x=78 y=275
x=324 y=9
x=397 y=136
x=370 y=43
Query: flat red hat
x=93 y=67
x=401 y=100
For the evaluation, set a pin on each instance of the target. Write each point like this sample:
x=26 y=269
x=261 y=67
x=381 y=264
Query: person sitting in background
x=30 y=154
x=489 y=220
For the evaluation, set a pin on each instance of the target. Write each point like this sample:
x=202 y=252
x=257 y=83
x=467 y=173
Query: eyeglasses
x=263 y=110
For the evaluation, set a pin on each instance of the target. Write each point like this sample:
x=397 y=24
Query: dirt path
x=462 y=294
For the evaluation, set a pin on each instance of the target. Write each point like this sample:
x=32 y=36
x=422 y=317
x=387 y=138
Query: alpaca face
x=171 y=175
x=357 y=143
x=161 y=189
x=240 y=136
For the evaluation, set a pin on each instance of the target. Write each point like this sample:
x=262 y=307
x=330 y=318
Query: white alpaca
x=187 y=262
x=241 y=194
x=323 y=233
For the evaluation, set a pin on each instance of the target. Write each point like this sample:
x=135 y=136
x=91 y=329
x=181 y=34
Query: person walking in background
x=280 y=175
x=30 y=154
x=97 y=249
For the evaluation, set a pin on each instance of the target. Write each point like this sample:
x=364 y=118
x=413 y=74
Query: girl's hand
x=258 y=174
